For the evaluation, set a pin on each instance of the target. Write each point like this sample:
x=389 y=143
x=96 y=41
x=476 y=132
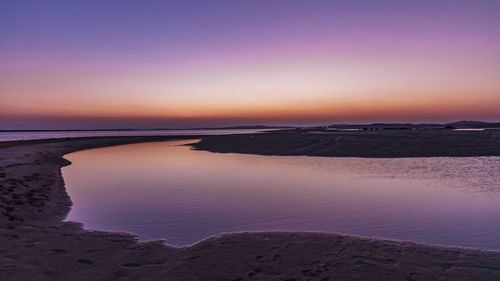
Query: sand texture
x=36 y=245
x=382 y=143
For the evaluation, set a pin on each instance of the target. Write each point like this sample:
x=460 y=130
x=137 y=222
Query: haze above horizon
x=184 y=64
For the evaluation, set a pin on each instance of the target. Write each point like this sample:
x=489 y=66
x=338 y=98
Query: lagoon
x=166 y=190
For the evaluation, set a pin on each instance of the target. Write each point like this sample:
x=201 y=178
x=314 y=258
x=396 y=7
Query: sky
x=181 y=64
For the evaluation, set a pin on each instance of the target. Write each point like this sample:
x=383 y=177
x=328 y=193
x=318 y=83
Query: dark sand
x=36 y=245
x=382 y=143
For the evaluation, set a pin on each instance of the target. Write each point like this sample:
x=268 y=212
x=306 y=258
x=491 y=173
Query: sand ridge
x=369 y=143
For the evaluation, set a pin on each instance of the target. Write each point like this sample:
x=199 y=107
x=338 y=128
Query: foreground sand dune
x=36 y=245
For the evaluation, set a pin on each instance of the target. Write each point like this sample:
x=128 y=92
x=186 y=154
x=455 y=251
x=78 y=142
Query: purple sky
x=93 y=64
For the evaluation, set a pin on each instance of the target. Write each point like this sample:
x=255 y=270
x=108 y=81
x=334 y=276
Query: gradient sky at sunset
x=177 y=64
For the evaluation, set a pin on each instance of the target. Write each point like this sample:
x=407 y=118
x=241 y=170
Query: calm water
x=165 y=190
x=13 y=136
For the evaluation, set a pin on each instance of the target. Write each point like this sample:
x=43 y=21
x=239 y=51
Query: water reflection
x=165 y=190
x=37 y=135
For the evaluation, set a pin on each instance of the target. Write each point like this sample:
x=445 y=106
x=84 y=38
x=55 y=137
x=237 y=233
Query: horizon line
x=242 y=127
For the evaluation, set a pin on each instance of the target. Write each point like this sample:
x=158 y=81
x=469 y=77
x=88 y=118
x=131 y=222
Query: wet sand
x=35 y=244
x=370 y=143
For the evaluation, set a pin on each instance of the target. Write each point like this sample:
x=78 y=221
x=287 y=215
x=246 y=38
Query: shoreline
x=36 y=244
x=363 y=144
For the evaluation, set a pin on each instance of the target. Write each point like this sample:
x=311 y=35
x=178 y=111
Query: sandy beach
x=370 y=143
x=36 y=244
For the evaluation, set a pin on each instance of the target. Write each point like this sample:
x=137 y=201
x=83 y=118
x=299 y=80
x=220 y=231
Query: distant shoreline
x=156 y=129
x=35 y=244
x=457 y=125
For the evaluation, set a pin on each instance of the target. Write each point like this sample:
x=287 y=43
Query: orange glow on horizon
x=287 y=62
x=300 y=89
x=389 y=107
